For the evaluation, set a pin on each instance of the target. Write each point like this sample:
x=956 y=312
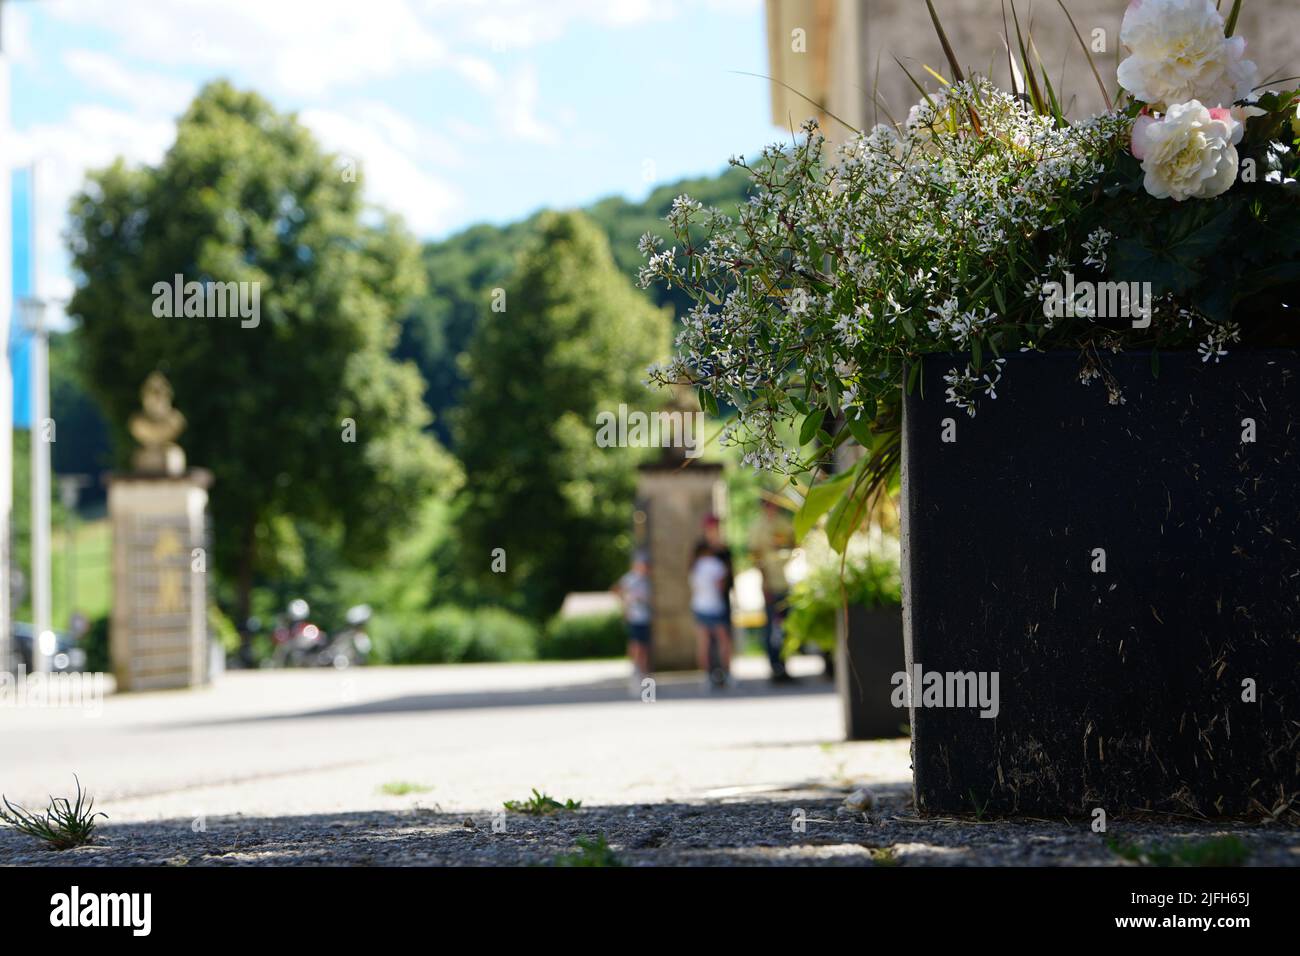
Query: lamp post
x=43 y=433
x=6 y=376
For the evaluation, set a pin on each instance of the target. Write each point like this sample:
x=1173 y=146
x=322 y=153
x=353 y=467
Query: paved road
x=291 y=768
x=271 y=743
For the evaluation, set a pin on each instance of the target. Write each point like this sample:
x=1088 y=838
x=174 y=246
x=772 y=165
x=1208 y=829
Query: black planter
x=1118 y=689
x=868 y=653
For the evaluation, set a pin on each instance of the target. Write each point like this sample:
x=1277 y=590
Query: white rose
x=1178 y=53
x=1189 y=153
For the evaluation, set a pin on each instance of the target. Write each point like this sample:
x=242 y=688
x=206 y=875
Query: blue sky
x=460 y=111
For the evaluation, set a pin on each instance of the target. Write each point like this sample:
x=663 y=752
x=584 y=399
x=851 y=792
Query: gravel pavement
x=411 y=766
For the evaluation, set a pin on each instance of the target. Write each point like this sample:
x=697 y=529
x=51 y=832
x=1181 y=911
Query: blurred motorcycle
x=301 y=643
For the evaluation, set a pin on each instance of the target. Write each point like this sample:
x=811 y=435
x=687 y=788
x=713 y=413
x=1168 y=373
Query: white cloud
x=302 y=47
x=306 y=51
x=90 y=137
x=17 y=33
x=148 y=93
x=389 y=148
x=514 y=106
x=519 y=24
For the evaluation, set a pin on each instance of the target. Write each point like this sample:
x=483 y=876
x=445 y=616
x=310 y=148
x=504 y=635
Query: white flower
x=1190 y=153
x=1178 y=53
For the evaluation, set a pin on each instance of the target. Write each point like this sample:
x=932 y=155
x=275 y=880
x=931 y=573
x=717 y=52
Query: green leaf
x=860 y=427
x=913 y=375
x=819 y=500
x=811 y=424
x=847 y=515
x=1000 y=298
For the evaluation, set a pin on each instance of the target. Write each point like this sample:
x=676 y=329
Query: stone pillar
x=674 y=498
x=158 y=635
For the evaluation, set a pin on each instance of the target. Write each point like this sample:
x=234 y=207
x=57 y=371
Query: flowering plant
x=985 y=223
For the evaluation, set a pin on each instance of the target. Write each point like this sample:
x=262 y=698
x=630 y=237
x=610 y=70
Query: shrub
x=95 y=644
x=870 y=580
x=450 y=635
x=222 y=630
x=590 y=635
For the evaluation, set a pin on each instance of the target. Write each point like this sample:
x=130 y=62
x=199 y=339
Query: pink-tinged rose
x=1140 y=135
x=1189 y=153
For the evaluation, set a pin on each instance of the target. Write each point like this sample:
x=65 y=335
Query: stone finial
x=681 y=401
x=156 y=428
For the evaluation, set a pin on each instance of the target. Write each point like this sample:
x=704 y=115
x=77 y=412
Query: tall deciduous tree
x=245 y=194
x=574 y=339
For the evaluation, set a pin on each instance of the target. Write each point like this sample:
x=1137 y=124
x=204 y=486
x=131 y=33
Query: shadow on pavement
x=672 y=687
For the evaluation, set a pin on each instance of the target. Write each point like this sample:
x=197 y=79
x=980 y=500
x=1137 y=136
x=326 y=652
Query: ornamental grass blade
x=820 y=108
x=1017 y=80
x=1092 y=63
x=1035 y=94
x=935 y=73
x=947 y=47
x=1231 y=26
x=1055 y=105
x=957 y=75
x=915 y=82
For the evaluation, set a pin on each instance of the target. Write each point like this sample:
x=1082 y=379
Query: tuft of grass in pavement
x=62 y=826
x=540 y=805
x=400 y=788
x=1216 y=851
x=592 y=851
x=884 y=856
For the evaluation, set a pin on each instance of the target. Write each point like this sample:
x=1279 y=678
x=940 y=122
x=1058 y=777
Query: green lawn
x=93 y=574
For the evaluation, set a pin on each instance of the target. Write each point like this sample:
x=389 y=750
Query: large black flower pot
x=1128 y=574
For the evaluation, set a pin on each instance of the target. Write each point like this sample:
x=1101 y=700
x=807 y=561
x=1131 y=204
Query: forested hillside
x=464 y=269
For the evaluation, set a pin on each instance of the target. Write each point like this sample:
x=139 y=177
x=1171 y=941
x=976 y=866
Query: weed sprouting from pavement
x=884 y=856
x=1216 y=851
x=540 y=805
x=400 y=788
x=592 y=851
x=62 y=826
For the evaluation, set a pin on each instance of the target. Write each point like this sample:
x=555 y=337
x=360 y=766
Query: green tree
x=461 y=274
x=245 y=194
x=463 y=269
x=83 y=445
x=574 y=339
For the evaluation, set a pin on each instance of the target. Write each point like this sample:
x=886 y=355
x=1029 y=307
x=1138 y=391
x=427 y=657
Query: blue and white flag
x=24 y=276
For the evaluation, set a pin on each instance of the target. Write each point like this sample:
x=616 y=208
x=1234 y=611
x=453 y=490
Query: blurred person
x=718 y=544
x=633 y=589
x=709 y=580
x=770 y=540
